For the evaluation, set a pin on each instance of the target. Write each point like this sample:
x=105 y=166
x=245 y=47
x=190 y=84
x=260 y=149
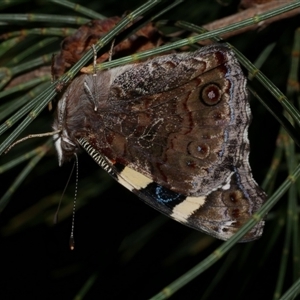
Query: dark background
x=123 y=247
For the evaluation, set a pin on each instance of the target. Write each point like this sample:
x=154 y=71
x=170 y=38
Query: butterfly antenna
x=55 y=219
x=111 y=51
x=95 y=60
x=87 y=88
x=31 y=136
x=72 y=241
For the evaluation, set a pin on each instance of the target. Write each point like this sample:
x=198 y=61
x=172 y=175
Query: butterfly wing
x=174 y=131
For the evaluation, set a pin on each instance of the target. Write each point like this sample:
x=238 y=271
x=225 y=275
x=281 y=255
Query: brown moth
x=173 y=130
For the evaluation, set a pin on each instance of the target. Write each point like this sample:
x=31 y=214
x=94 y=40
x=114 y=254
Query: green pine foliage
x=124 y=249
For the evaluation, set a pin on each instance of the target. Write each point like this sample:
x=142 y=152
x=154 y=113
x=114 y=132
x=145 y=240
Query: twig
x=249 y=13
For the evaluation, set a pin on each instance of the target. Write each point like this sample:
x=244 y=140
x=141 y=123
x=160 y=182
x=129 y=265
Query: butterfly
x=174 y=131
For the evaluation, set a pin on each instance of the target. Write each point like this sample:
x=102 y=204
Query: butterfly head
x=65 y=145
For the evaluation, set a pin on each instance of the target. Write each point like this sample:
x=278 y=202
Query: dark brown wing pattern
x=174 y=131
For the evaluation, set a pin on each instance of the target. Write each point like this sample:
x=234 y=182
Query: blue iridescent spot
x=163 y=195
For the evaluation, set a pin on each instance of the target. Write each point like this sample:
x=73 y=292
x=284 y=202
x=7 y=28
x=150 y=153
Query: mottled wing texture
x=174 y=131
